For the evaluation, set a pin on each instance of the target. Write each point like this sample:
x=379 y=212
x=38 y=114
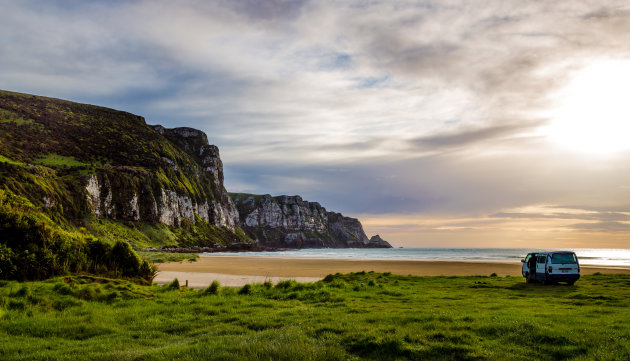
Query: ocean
x=586 y=256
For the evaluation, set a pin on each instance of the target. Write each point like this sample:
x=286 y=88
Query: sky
x=451 y=123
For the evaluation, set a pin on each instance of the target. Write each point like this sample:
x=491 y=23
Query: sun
x=593 y=112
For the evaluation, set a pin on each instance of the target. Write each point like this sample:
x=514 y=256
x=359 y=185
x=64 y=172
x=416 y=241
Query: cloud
x=368 y=107
x=467 y=137
x=604 y=227
x=603 y=217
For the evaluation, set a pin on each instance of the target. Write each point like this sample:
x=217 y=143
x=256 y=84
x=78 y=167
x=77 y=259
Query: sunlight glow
x=594 y=110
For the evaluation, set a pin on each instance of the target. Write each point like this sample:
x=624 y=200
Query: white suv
x=551 y=267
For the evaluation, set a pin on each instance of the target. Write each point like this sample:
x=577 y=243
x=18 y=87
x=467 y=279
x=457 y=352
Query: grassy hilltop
x=356 y=316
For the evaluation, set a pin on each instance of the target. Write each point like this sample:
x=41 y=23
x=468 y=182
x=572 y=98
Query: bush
x=174 y=285
x=213 y=289
x=123 y=260
x=147 y=271
x=98 y=254
x=245 y=290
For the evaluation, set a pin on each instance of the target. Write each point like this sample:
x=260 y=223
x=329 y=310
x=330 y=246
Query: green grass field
x=354 y=316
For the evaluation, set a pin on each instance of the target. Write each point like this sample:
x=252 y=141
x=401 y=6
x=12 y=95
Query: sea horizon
x=587 y=256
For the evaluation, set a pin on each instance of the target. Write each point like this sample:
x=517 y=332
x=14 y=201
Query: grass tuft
x=213 y=289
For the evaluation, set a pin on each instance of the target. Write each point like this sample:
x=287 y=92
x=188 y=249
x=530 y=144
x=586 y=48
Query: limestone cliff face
x=132 y=194
x=289 y=221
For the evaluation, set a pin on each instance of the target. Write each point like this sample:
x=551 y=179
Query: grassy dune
x=353 y=316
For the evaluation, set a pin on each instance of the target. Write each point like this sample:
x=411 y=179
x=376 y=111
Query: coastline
x=239 y=270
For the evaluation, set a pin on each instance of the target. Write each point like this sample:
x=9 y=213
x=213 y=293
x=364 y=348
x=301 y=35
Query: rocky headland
x=291 y=222
x=110 y=175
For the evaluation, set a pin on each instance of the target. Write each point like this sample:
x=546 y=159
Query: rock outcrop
x=82 y=163
x=291 y=222
x=123 y=193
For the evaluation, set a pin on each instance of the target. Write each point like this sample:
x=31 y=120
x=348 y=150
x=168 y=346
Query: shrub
x=124 y=260
x=147 y=271
x=98 y=254
x=245 y=290
x=213 y=289
x=174 y=285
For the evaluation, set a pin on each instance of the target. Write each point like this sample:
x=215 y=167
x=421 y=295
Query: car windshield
x=563 y=258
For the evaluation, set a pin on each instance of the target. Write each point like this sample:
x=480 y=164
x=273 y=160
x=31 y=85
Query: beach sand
x=239 y=270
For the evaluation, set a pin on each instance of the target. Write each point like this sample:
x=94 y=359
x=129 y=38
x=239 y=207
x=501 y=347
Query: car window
x=542 y=259
x=563 y=258
x=528 y=257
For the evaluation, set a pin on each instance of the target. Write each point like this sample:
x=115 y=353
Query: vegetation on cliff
x=50 y=151
x=97 y=175
x=34 y=247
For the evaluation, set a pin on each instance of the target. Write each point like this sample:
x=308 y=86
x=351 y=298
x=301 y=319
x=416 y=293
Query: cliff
x=108 y=174
x=82 y=163
x=289 y=221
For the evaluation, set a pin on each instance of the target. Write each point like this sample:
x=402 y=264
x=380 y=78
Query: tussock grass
x=343 y=317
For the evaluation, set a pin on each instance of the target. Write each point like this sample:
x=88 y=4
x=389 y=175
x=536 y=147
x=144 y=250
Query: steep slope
x=129 y=170
x=111 y=175
x=289 y=221
x=82 y=185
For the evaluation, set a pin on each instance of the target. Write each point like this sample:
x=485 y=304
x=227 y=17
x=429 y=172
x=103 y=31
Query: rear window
x=563 y=258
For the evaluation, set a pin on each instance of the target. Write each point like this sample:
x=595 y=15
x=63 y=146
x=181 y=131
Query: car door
x=541 y=262
x=525 y=269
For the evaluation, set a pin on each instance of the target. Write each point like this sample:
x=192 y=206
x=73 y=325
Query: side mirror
x=522 y=261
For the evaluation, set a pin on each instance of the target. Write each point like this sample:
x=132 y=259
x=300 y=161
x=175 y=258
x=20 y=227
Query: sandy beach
x=239 y=270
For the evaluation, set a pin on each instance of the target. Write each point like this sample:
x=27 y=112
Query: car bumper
x=563 y=277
